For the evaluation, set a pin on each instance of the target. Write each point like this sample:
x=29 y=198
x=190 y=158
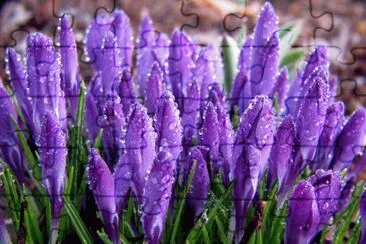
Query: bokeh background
x=339 y=24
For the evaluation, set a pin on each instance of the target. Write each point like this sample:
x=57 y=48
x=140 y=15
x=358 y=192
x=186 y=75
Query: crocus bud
x=140 y=148
x=245 y=54
x=363 y=218
x=265 y=52
x=93 y=108
x=157 y=195
x=147 y=34
x=317 y=59
x=252 y=145
x=44 y=82
x=122 y=30
x=190 y=114
x=101 y=182
x=70 y=76
x=155 y=88
x=127 y=91
x=282 y=152
x=327 y=186
x=18 y=81
x=200 y=186
x=350 y=140
x=210 y=136
x=333 y=122
x=311 y=117
x=181 y=65
x=113 y=123
x=122 y=181
x=281 y=88
x=53 y=152
x=168 y=126
x=10 y=150
x=303 y=216
x=240 y=84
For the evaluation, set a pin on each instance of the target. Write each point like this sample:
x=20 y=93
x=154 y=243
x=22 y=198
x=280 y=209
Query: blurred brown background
x=340 y=24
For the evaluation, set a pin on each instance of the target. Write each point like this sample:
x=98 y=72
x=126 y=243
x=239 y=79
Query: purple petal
x=350 y=140
x=10 y=150
x=265 y=52
x=4 y=235
x=155 y=88
x=210 y=136
x=127 y=91
x=311 y=116
x=252 y=145
x=53 y=152
x=303 y=214
x=70 y=77
x=181 y=65
x=122 y=30
x=346 y=195
x=191 y=113
x=147 y=34
x=44 y=82
x=168 y=126
x=122 y=181
x=327 y=185
x=101 y=182
x=140 y=148
x=245 y=54
x=318 y=59
x=113 y=124
x=282 y=152
x=240 y=83
x=157 y=195
x=200 y=186
x=332 y=125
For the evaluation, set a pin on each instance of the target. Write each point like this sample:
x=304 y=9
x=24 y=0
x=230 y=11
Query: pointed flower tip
x=66 y=21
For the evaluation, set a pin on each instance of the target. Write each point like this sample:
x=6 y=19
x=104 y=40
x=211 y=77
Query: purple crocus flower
x=200 y=186
x=349 y=141
x=44 y=82
x=282 y=152
x=140 y=148
x=317 y=59
x=127 y=91
x=155 y=88
x=122 y=181
x=327 y=186
x=168 y=127
x=53 y=152
x=10 y=150
x=252 y=145
x=70 y=76
x=181 y=65
x=190 y=114
x=303 y=214
x=265 y=52
x=333 y=122
x=119 y=25
x=363 y=218
x=281 y=88
x=210 y=136
x=311 y=117
x=157 y=195
x=93 y=107
x=113 y=124
x=18 y=81
x=101 y=182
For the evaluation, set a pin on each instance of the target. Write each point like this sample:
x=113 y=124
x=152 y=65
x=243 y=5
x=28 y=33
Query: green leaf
x=77 y=222
x=27 y=151
x=292 y=57
x=221 y=231
x=32 y=226
x=12 y=196
x=231 y=53
x=181 y=205
x=103 y=236
x=288 y=36
x=207 y=219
